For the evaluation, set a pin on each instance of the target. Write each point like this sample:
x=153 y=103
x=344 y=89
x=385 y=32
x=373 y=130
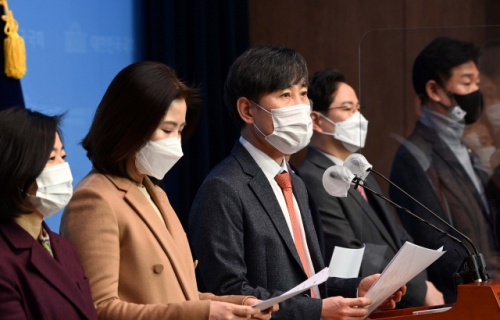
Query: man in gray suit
x=360 y=218
x=437 y=168
x=250 y=226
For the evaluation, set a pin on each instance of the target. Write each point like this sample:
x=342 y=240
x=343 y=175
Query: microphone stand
x=473 y=267
x=427 y=209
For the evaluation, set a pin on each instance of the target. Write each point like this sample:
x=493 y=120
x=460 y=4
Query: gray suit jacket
x=242 y=241
x=351 y=222
x=462 y=207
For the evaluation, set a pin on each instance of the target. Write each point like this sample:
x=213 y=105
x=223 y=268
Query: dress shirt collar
x=451 y=131
x=268 y=165
x=332 y=158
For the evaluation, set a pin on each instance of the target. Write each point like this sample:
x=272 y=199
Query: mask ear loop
x=261 y=107
x=450 y=96
x=328 y=120
x=254 y=122
x=259 y=130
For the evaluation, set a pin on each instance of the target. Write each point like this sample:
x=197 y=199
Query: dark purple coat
x=33 y=285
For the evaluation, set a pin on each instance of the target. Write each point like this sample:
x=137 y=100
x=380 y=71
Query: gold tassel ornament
x=14 y=49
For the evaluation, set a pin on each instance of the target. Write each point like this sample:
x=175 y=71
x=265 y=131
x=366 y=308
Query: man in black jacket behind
x=437 y=168
x=360 y=218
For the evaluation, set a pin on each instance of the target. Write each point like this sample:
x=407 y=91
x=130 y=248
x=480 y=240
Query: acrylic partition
x=448 y=160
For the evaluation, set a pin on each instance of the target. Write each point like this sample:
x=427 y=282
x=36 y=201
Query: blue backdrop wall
x=74 y=49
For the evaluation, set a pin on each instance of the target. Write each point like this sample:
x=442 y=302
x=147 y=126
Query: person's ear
x=245 y=110
x=316 y=121
x=432 y=89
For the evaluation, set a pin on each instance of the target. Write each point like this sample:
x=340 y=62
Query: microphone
x=339 y=185
x=473 y=267
x=358 y=164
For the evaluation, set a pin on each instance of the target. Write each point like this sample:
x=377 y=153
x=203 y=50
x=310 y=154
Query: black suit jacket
x=351 y=222
x=34 y=285
x=427 y=169
x=242 y=241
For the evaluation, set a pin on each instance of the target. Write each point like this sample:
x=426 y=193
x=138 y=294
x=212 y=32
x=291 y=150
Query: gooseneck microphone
x=338 y=174
x=473 y=267
x=427 y=209
x=359 y=183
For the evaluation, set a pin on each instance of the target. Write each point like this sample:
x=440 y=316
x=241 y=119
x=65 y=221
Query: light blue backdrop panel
x=74 y=49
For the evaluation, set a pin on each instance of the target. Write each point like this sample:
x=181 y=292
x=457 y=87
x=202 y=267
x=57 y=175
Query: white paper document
x=406 y=264
x=345 y=262
x=315 y=280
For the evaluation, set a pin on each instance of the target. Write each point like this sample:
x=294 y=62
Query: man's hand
x=339 y=308
x=263 y=315
x=433 y=297
x=390 y=303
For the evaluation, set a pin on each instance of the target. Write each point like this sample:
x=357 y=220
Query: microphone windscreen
x=337 y=180
x=358 y=164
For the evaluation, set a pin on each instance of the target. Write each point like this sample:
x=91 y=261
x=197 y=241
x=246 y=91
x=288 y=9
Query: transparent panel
x=422 y=143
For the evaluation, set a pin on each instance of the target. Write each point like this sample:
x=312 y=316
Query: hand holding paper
x=264 y=314
x=390 y=302
x=315 y=280
x=406 y=264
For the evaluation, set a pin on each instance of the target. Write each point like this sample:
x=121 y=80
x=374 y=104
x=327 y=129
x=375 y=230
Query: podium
x=479 y=301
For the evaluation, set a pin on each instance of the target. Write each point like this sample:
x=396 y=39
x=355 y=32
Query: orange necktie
x=284 y=181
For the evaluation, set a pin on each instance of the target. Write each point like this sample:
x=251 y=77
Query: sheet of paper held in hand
x=345 y=262
x=315 y=280
x=406 y=264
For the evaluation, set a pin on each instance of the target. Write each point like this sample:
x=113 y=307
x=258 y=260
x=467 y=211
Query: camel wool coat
x=138 y=266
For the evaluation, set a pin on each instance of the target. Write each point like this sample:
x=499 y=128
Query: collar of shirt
x=266 y=163
x=449 y=130
x=333 y=158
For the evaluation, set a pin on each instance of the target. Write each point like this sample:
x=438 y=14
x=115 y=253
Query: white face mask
x=292 y=128
x=54 y=189
x=157 y=157
x=351 y=132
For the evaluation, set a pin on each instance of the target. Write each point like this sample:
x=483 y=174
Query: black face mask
x=472 y=103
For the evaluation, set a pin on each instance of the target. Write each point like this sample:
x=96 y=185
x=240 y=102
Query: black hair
x=262 y=70
x=322 y=88
x=437 y=60
x=130 y=111
x=26 y=142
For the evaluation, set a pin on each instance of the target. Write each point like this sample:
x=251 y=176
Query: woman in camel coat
x=132 y=245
